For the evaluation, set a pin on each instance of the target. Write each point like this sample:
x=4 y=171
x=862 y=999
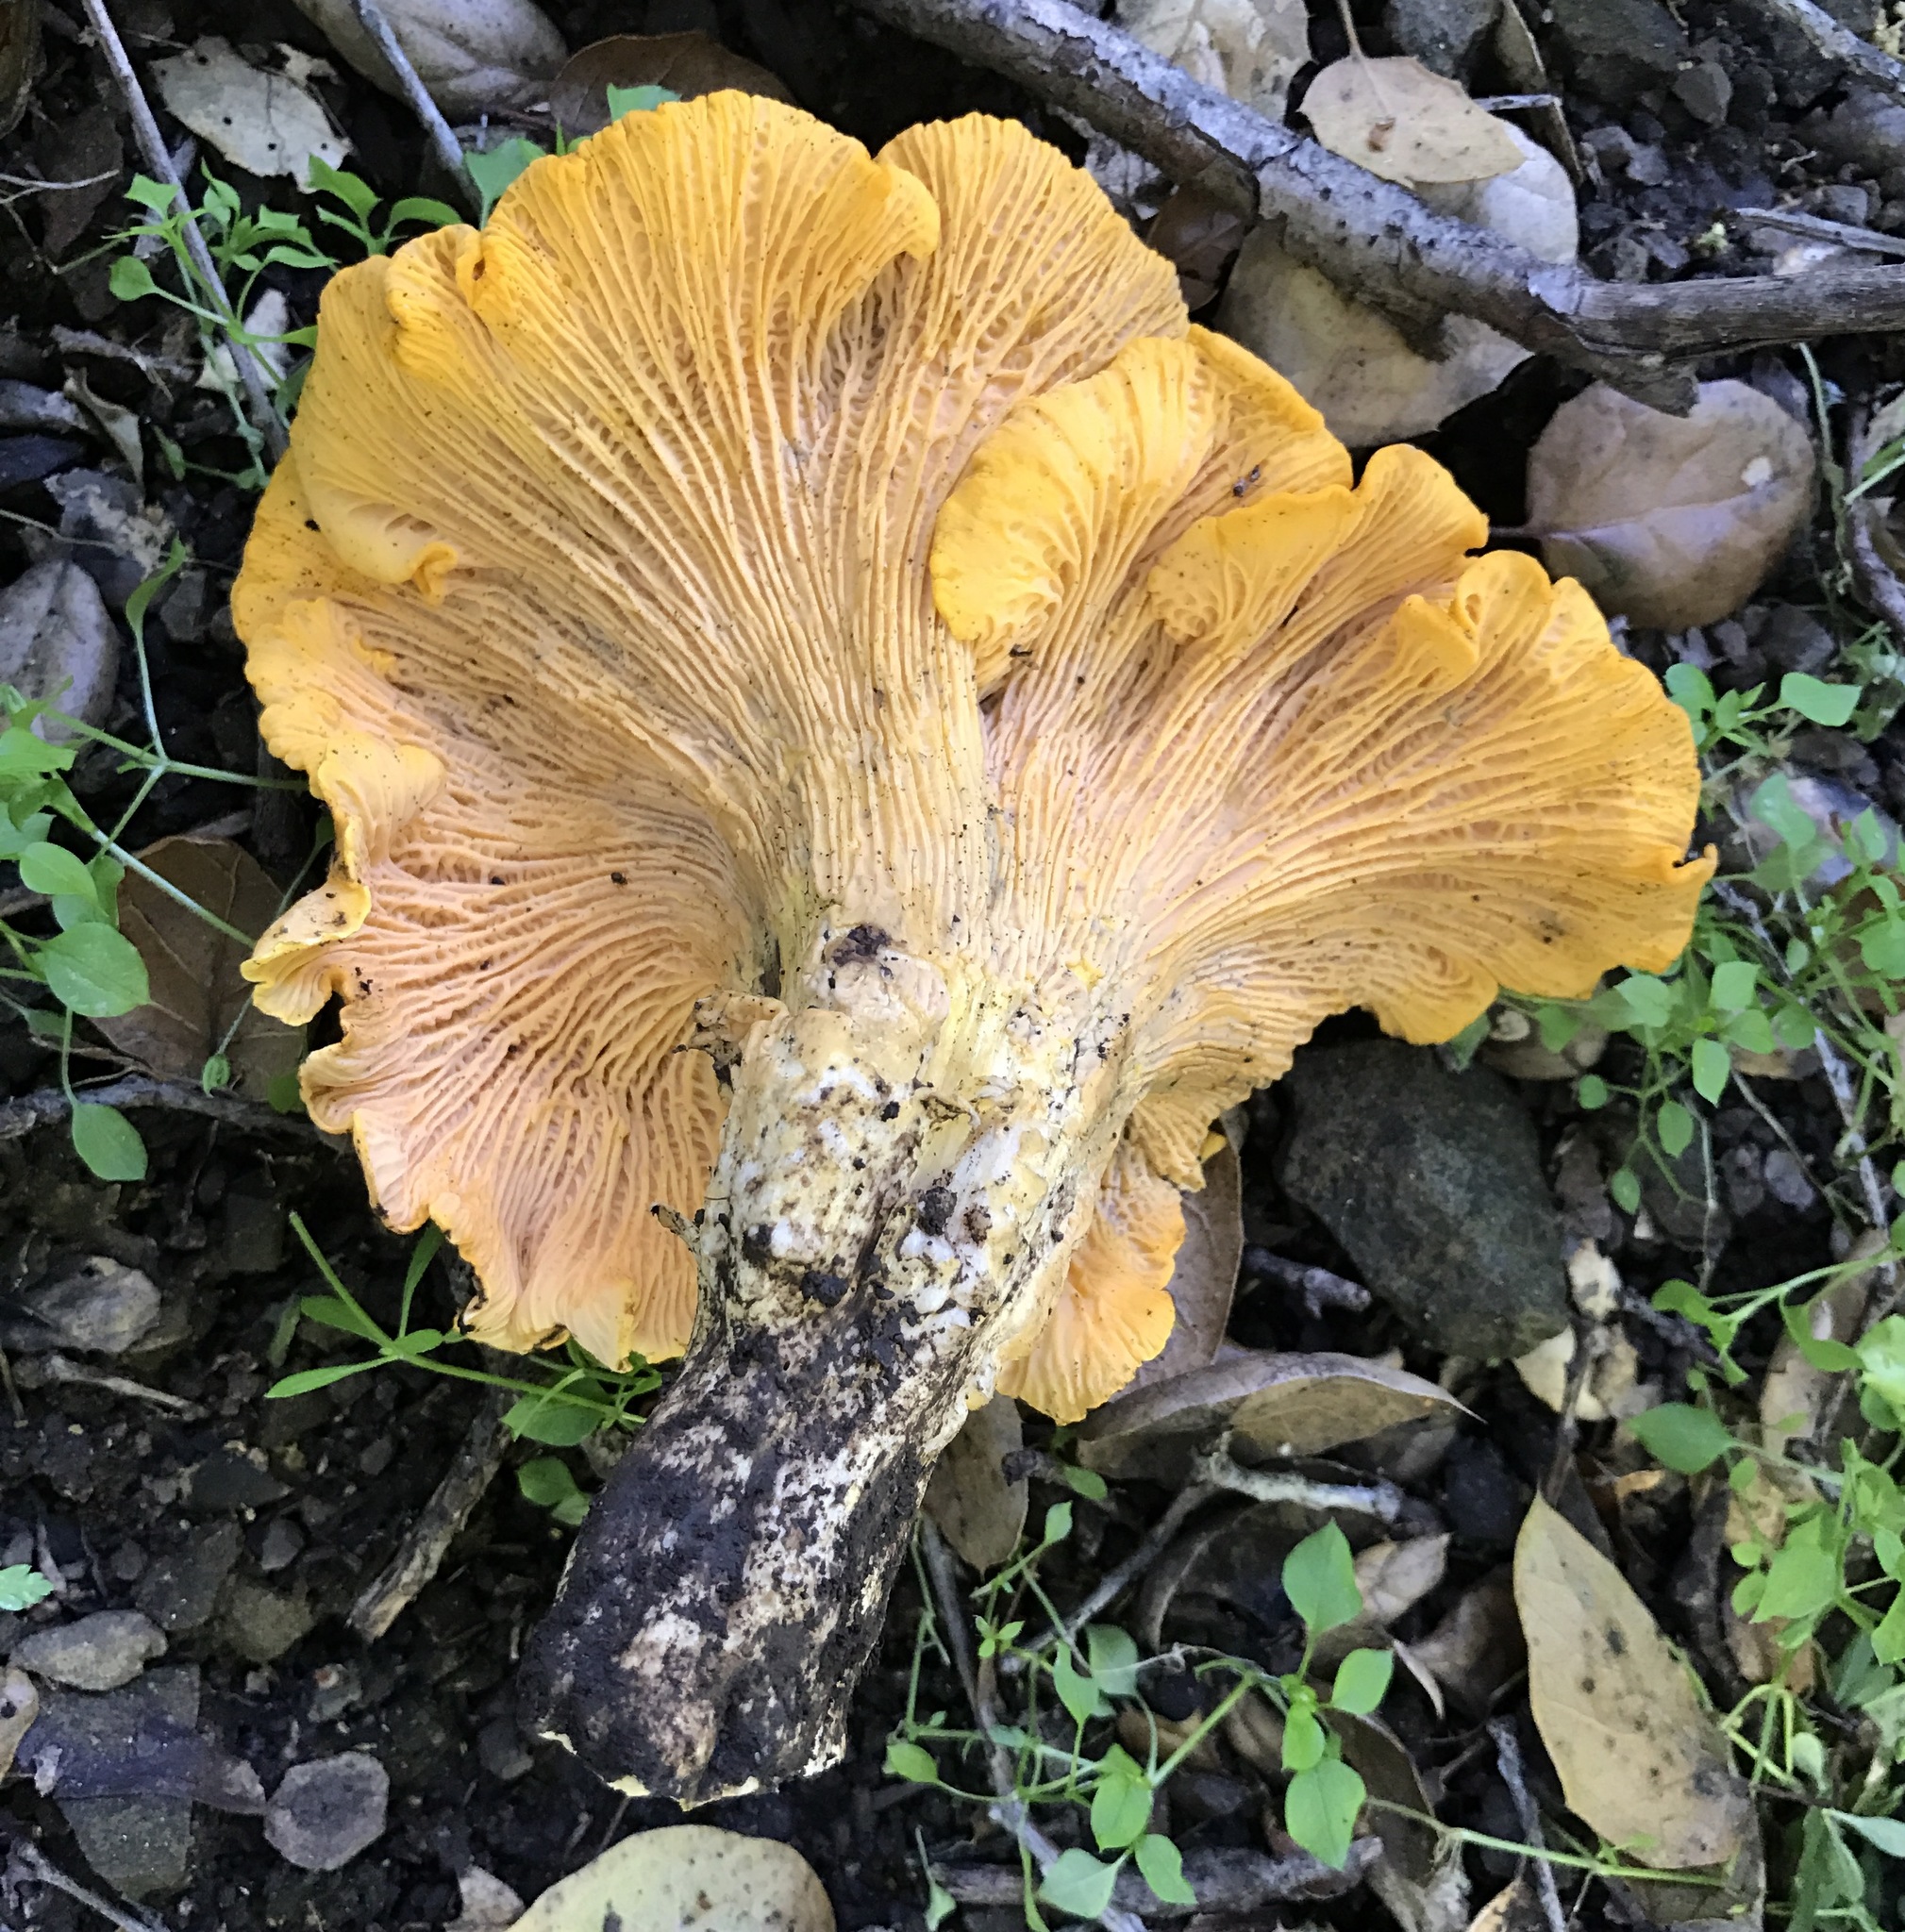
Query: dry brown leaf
x=1248 y=49
x=197 y=991
x=19 y=1706
x=1203 y=1279
x=1394 y=1577
x=472 y=56
x=1276 y=1404
x=1476 y=1648
x=261 y=121
x=1796 y=1397
x=1514 y=1908
x=1669 y=521
x=1638 y=1754
x=687 y=1874
x=1420 y=1875
x=1402 y=122
x=977 y=1511
x=688 y=65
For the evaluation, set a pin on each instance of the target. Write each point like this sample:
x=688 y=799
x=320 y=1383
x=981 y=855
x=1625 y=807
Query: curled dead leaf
x=1420 y=1875
x=1273 y=1404
x=1477 y=1647
x=193 y=968
x=1404 y=122
x=1203 y=1279
x=687 y=1874
x=687 y=64
x=978 y=1512
x=472 y=56
x=1670 y=520
x=1638 y=1754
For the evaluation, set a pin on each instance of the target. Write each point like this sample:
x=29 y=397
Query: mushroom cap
x=742 y=529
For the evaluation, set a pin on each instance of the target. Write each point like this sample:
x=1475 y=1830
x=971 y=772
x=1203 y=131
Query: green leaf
x=1803 y=1577
x=21 y=1587
x=420 y=207
x=545 y=1481
x=1319 y=1579
x=1735 y=981
x=1881 y=947
x=306 y=1379
x=1749 y=1030
x=1820 y=1351
x=1085 y=1482
x=160 y=196
x=1162 y=1870
x=25 y=754
x=1114 y=1658
x=108 y=1142
x=215 y=1076
x=1078 y=1690
x=637 y=100
x=1690 y=688
x=1363 y=1681
x=355 y=193
x=1058 y=1523
x=1625 y=1186
x=1079 y=1884
x=493 y=172
x=1675 y=1125
x=130 y=279
x=1320 y=1807
x=1121 y=1801
x=1881 y=1360
x=1888 y=1834
x=1591 y=1091
x=1650 y=1002
x=1680 y=1437
x=1712 y=1066
x=1304 y=1739
x=334 y=1311
x=52 y=869
x=94 y=971
x=284 y=1095
x=912 y=1762
x=546 y=1418
x=1823 y=703
x=1888 y=1639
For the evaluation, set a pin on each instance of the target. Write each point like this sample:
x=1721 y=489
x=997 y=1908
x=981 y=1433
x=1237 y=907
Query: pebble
x=57 y=640
x=98 y=1652
x=283 y=1544
x=502 y=1751
x=260 y=1622
x=25 y=407
x=229 y=1479
x=1444 y=34
x=322 y=1814
x=1616 y=49
x=1705 y=91
x=180 y=1590
x=97 y=1305
x=335 y=1688
x=1786 y=1180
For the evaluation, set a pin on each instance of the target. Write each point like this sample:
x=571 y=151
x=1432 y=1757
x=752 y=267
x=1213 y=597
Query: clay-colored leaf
x=1393 y=1577
x=193 y=968
x=1515 y=1908
x=1203 y=1274
x=1402 y=122
x=683 y=1876
x=1248 y=49
x=1669 y=521
x=1638 y=1753
x=258 y=120
x=687 y=64
x=472 y=55
x=978 y=1512
x=1276 y=1404
x=19 y=1706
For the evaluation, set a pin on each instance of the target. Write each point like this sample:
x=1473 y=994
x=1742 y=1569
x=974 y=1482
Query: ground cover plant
x=1292 y=1632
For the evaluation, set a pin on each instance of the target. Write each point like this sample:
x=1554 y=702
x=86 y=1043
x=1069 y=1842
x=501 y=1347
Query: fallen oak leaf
x=262 y=122
x=1405 y=124
x=1638 y=1754
x=687 y=1874
x=471 y=55
x=1669 y=521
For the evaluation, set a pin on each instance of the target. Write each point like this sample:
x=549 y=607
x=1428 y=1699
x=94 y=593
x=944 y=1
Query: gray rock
x=1795 y=641
x=58 y=642
x=98 y=1652
x=1432 y=1182
x=1867 y=128
x=1786 y=1180
x=261 y=1623
x=98 y=1304
x=1442 y=34
x=140 y=1845
x=179 y=1591
x=283 y=1544
x=322 y=1814
x=502 y=1751
x=1705 y=91
x=25 y=407
x=1842 y=201
x=229 y=1479
x=1616 y=49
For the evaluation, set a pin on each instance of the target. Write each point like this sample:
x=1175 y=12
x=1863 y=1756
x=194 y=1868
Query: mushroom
x=854 y=733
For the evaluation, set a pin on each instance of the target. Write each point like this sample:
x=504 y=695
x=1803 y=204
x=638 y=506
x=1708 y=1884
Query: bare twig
x=448 y=151
x=28 y=1862
x=1379 y=1499
x=1508 y=1756
x=1817 y=229
x=49 y=1104
x=1319 y=1288
x=421 y=1554
x=1117 y=1580
x=1374 y=239
x=59 y=1368
x=1011 y=1810
x=1229 y=1881
x=252 y=374
x=1871 y=64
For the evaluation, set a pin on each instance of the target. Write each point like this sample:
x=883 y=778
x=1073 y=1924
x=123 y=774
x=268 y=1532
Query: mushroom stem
x=899 y=1177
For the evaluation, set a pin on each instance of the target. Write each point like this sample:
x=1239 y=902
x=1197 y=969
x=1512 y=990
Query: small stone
x=1705 y=91
x=1842 y=201
x=1665 y=253
x=23 y=406
x=97 y=1305
x=1612 y=145
x=1617 y=49
x=127 y=1562
x=322 y=1814
x=96 y=1652
x=1796 y=641
x=1444 y=34
x=230 y=1479
x=502 y=1751
x=1745 y=1181
x=180 y=1592
x=1432 y=1183
x=261 y=1623
x=1866 y=129
x=1621 y=258
x=283 y=1544
x=335 y=1688
x=251 y=1236
x=57 y=640
x=1649 y=166
x=1786 y=1180
x=376 y=1456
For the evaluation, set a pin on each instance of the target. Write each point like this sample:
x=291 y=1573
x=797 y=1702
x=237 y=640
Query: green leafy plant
x=21 y=1587
x=492 y=170
x=358 y=202
x=561 y=1399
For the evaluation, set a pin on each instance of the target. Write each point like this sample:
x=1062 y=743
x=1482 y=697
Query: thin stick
x=1379 y=1499
x=1114 y=1582
x=28 y=1862
x=251 y=373
x=449 y=152
x=1508 y=1756
x=49 y=1104
x=1377 y=240
x=1009 y=1811
x=59 y=1368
